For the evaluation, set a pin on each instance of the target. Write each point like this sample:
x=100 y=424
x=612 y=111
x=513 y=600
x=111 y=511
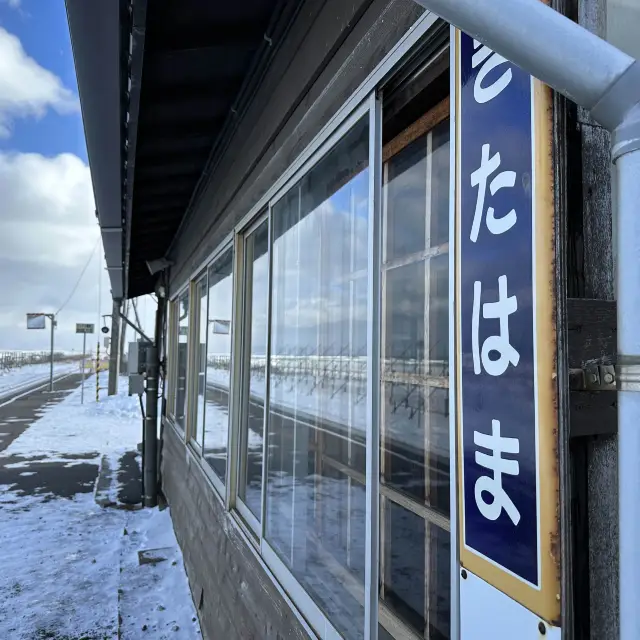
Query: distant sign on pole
x=82 y=327
x=36 y=321
x=221 y=326
x=105 y=329
x=107 y=342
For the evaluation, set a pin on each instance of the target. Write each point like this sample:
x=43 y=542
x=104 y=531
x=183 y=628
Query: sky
x=49 y=232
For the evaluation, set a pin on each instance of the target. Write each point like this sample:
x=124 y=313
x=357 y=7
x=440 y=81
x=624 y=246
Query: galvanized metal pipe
x=627 y=232
x=150 y=436
x=561 y=53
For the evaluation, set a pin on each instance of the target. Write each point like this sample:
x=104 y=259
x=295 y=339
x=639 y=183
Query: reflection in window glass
x=414 y=456
x=318 y=372
x=170 y=386
x=218 y=381
x=182 y=365
x=201 y=359
x=254 y=372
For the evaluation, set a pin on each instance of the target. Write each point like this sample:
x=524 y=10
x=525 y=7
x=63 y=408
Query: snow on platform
x=111 y=427
x=71 y=567
x=14 y=380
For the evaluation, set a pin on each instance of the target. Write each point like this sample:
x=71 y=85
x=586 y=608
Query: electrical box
x=136 y=366
x=136 y=358
x=136 y=384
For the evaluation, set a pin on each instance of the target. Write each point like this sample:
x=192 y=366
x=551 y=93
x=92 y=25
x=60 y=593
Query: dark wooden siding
x=330 y=50
x=235 y=596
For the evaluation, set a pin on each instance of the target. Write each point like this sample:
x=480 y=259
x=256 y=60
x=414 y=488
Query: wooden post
x=98 y=372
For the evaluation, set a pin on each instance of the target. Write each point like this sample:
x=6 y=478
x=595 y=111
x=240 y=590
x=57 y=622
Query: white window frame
x=183 y=430
x=241 y=360
x=194 y=343
x=310 y=610
x=171 y=360
x=219 y=485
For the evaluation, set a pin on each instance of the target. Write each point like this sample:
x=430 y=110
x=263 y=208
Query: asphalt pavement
x=51 y=479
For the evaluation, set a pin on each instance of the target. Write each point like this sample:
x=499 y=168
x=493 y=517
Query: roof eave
x=95 y=39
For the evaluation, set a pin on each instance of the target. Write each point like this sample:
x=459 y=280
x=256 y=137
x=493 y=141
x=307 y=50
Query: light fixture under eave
x=155 y=266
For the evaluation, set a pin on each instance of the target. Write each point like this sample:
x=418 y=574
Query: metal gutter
x=95 y=42
x=136 y=58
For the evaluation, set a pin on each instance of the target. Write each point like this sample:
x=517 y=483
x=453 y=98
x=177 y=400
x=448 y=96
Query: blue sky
x=41 y=26
x=49 y=236
x=48 y=228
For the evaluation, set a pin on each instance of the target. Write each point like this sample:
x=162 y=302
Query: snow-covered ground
x=71 y=569
x=15 y=380
x=110 y=427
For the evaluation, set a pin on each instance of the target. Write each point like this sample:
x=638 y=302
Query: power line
x=99 y=290
x=84 y=269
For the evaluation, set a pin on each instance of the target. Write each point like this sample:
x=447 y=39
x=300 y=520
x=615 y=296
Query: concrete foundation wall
x=234 y=595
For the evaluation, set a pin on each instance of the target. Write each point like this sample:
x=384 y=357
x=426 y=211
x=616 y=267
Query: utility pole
x=123 y=335
x=150 y=443
x=51 y=317
x=114 y=355
x=84 y=351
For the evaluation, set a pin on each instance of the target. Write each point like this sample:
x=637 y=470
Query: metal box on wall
x=136 y=365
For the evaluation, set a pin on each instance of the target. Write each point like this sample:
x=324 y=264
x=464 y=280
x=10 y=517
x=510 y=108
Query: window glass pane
x=415 y=572
x=183 y=351
x=415 y=447
x=216 y=427
x=254 y=372
x=318 y=373
x=414 y=394
x=406 y=188
x=171 y=358
x=201 y=359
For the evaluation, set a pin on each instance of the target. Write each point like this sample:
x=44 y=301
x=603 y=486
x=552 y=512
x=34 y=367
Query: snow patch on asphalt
x=114 y=425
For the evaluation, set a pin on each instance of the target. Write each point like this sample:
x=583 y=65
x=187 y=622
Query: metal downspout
x=601 y=78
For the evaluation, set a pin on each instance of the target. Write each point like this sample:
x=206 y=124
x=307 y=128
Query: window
x=182 y=360
x=171 y=364
x=200 y=354
x=315 y=495
x=254 y=361
x=218 y=363
x=414 y=391
x=306 y=390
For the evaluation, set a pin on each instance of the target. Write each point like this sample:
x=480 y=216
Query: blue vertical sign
x=496 y=286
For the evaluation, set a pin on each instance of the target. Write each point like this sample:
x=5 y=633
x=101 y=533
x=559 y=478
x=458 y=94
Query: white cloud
x=48 y=230
x=26 y=88
x=48 y=210
x=14 y=4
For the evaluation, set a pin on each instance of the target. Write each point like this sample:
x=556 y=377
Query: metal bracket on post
x=621 y=377
x=593 y=378
x=136 y=328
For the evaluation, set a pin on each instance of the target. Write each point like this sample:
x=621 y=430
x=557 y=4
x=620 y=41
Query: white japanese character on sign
x=489 y=60
x=499 y=310
x=479 y=178
x=492 y=484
